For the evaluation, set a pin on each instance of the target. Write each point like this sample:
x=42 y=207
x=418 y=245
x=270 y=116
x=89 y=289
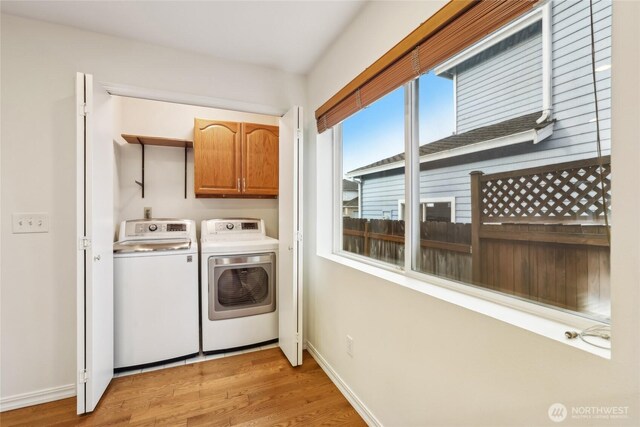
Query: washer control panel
x=152 y=227
x=156 y=229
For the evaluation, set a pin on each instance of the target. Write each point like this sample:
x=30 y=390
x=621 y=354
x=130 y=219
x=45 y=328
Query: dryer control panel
x=237 y=227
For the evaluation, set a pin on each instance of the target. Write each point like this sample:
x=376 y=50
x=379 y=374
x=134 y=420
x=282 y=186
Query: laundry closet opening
x=204 y=226
x=183 y=178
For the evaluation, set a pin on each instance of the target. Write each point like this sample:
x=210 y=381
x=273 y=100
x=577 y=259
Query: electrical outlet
x=147 y=213
x=349 y=345
x=30 y=222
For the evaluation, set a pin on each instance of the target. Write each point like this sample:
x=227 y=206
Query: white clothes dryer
x=155 y=292
x=238 y=284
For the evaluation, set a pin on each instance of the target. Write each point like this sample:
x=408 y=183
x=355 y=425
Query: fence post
x=476 y=217
x=366 y=238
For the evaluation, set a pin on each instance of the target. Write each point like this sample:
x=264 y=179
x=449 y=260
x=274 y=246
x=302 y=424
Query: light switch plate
x=30 y=222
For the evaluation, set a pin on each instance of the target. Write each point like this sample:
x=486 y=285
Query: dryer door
x=242 y=285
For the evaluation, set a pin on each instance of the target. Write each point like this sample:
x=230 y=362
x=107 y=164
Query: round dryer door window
x=242 y=285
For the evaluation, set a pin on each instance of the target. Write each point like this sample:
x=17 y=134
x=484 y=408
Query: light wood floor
x=251 y=389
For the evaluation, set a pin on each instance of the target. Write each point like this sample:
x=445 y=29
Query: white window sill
x=540 y=320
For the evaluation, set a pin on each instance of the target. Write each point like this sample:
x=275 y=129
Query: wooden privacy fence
x=538 y=233
x=445 y=248
x=377 y=238
x=541 y=233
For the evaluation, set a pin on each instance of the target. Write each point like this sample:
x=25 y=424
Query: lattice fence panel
x=567 y=192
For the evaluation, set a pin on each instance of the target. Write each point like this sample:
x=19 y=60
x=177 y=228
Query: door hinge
x=83 y=376
x=299 y=133
x=299 y=236
x=84 y=243
x=297 y=337
x=85 y=109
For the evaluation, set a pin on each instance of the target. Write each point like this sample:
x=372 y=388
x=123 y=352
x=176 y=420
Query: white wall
x=164 y=166
x=39 y=62
x=422 y=361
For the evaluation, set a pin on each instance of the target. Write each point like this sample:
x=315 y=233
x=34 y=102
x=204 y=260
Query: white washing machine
x=238 y=284
x=155 y=292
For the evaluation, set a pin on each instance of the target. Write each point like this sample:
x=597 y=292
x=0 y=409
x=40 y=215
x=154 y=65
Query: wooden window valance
x=456 y=26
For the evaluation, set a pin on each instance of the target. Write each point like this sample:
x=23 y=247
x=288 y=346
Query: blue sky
x=377 y=131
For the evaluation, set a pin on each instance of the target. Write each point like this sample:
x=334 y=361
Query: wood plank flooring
x=252 y=389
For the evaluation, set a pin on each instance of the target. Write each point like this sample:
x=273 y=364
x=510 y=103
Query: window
x=434 y=209
x=506 y=164
x=368 y=136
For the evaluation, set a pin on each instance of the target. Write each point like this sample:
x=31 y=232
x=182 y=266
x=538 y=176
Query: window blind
x=453 y=28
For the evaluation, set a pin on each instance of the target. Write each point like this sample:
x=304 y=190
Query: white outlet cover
x=30 y=222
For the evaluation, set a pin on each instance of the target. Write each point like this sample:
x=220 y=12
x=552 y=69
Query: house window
x=368 y=136
x=506 y=164
x=441 y=209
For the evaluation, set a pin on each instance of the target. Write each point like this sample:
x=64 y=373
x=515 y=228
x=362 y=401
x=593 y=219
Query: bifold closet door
x=94 y=221
x=290 y=236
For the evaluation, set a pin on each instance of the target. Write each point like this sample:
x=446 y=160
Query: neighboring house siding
x=501 y=88
x=381 y=195
x=574 y=134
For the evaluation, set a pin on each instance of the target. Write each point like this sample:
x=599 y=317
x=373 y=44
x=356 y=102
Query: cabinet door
x=217 y=161
x=260 y=160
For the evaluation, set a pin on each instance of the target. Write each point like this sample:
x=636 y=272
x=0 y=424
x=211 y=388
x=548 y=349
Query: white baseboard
x=36 y=397
x=355 y=401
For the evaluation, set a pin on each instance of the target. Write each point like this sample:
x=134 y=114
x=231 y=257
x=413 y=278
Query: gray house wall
x=507 y=86
x=574 y=135
x=380 y=195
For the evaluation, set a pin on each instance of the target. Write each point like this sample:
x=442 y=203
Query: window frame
x=336 y=208
x=548 y=321
x=519 y=311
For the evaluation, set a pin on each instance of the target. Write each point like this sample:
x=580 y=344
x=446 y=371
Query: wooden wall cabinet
x=217 y=158
x=259 y=159
x=235 y=159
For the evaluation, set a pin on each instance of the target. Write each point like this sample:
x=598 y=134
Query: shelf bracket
x=185 y=170
x=141 y=184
